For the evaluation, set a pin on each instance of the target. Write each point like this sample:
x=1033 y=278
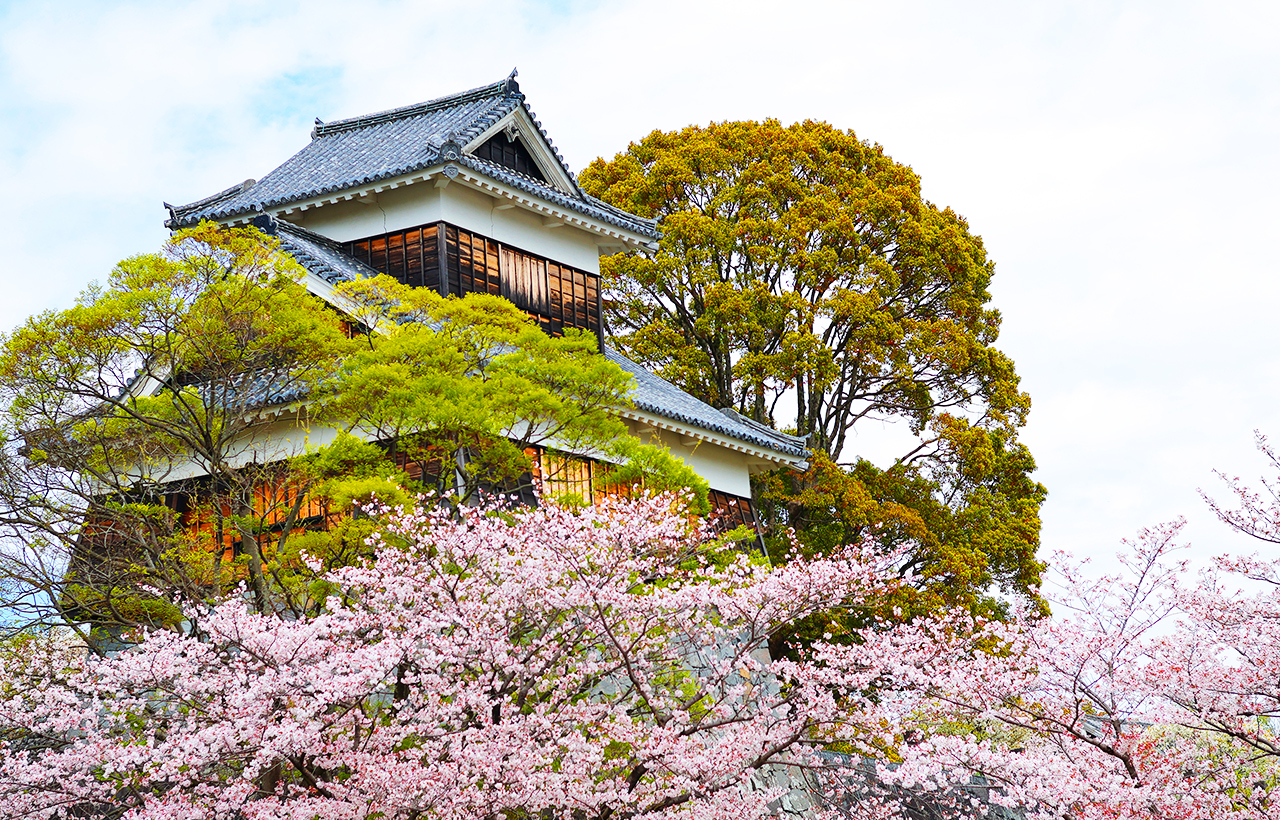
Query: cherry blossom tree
x=1152 y=694
x=597 y=664
x=608 y=663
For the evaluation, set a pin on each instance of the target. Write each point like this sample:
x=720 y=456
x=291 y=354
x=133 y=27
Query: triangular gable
x=508 y=150
x=520 y=128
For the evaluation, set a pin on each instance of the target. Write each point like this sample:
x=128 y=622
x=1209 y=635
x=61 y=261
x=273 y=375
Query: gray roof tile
x=361 y=150
x=662 y=398
x=319 y=255
x=261 y=389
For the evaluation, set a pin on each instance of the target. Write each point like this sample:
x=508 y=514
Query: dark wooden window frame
x=555 y=295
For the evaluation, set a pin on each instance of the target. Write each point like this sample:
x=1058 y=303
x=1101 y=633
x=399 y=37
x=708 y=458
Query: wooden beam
x=442 y=259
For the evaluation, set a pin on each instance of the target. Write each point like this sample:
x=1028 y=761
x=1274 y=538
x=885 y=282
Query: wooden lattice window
x=411 y=256
x=524 y=281
x=424 y=465
x=573 y=300
x=271 y=500
x=555 y=295
x=729 y=511
x=274 y=498
x=562 y=475
x=473 y=263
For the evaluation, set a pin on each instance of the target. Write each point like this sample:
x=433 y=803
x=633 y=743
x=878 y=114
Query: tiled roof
x=260 y=389
x=320 y=255
x=362 y=150
x=268 y=387
x=588 y=205
x=662 y=398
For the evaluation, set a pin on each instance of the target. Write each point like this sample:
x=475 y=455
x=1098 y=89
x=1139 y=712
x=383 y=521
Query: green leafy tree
x=148 y=386
x=801 y=275
x=144 y=460
x=471 y=385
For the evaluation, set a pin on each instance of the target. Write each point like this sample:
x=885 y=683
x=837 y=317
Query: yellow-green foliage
x=800 y=267
x=449 y=376
x=163 y=370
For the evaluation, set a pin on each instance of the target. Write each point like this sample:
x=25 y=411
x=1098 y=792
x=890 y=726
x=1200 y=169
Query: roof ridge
x=504 y=87
x=555 y=152
x=238 y=188
x=549 y=192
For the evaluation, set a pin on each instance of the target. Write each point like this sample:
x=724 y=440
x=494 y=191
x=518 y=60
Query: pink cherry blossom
x=1149 y=696
x=606 y=663
x=593 y=663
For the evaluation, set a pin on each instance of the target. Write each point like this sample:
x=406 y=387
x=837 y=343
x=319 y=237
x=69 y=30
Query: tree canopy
x=607 y=663
x=156 y=433
x=601 y=664
x=803 y=280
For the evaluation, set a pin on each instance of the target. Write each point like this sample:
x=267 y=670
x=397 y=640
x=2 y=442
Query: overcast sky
x=1119 y=160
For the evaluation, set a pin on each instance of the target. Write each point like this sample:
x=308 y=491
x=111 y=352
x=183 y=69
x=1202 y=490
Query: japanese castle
x=467 y=194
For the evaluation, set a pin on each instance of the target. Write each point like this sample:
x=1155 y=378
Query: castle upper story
x=465 y=194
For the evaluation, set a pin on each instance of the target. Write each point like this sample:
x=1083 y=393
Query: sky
x=1119 y=159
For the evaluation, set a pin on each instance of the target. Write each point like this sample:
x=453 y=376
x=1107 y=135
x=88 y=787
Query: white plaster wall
x=460 y=205
x=389 y=211
x=724 y=469
x=285 y=436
